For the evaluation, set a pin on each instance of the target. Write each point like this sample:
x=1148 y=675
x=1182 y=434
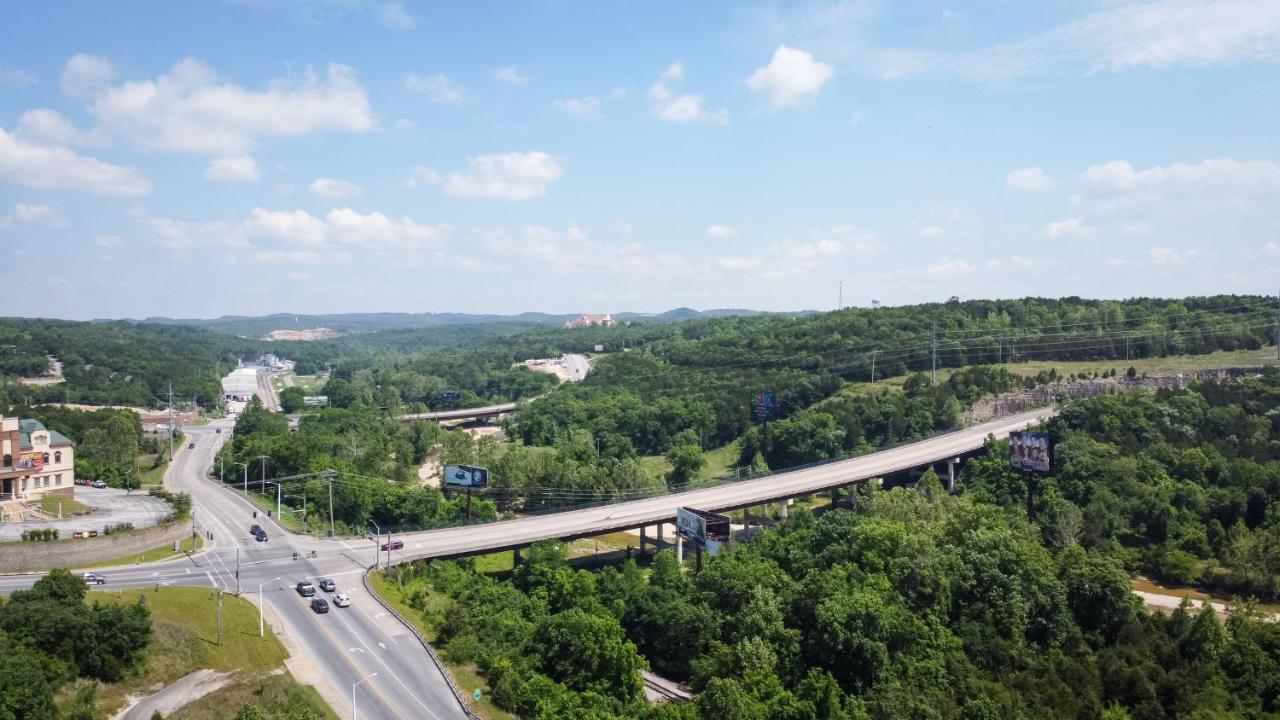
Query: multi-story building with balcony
x=34 y=460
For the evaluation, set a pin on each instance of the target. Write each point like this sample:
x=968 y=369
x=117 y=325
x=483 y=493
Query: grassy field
x=187 y=546
x=185 y=639
x=61 y=505
x=720 y=462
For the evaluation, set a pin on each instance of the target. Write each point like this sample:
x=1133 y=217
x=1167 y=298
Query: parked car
x=306 y=589
x=320 y=605
x=191 y=446
x=341 y=600
x=393 y=545
x=327 y=585
x=100 y=484
x=92 y=579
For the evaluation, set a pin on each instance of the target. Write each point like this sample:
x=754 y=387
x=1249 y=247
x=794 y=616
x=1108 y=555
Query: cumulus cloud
x=1166 y=256
x=193 y=110
x=334 y=189
x=932 y=232
x=506 y=176
x=674 y=106
x=230 y=170
x=108 y=241
x=583 y=108
x=38 y=215
x=1249 y=177
x=510 y=76
x=1032 y=178
x=791 y=76
x=86 y=75
x=438 y=88
x=395 y=16
x=51 y=167
x=722 y=232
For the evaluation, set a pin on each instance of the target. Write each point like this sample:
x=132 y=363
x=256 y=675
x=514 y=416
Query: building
x=34 y=460
x=585 y=320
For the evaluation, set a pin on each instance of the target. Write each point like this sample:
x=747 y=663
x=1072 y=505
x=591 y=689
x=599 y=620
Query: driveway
x=113 y=506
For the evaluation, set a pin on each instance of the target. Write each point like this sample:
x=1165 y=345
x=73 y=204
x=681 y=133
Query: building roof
x=26 y=426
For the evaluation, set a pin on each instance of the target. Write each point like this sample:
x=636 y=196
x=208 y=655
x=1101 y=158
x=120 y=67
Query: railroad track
x=664 y=690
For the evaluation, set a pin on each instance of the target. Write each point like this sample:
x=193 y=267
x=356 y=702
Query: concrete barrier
x=70 y=553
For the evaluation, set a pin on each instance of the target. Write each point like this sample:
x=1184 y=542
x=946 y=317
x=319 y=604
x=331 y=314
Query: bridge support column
x=782 y=509
x=642 y=540
x=679 y=550
x=515 y=558
x=853 y=496
x=764 y=513
x=697 y=568
x=658 y=545
x=835 y=496
x=951 y=474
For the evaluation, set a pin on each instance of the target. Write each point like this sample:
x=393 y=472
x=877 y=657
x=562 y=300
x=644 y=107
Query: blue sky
x=363 y=155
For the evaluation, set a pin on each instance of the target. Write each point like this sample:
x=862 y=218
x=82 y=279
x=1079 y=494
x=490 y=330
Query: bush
x=40 y=535
x=113 y=528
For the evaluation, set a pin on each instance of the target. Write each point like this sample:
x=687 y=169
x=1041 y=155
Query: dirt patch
x=302 y=335
x=430 y=472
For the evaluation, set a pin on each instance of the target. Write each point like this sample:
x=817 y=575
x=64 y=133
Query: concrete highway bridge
x=478 y=413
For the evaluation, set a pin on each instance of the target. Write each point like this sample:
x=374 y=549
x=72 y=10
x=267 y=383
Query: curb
x=444 y=672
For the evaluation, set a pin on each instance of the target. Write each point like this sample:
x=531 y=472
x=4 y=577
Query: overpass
x=515 y=534
x=488 y=411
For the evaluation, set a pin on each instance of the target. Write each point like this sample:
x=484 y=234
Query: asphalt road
x=343 y=646
x=454 y=542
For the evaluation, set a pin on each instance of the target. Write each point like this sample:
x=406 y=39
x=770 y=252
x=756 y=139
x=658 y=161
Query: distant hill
x=346 y=323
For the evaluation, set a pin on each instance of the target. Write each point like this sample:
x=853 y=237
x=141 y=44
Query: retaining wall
x=71 y=553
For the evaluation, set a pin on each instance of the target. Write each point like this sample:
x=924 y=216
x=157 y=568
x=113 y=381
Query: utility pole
x=328 y=475
x=246 y=477
x=219 y=616
x=873 y=366
x=934 y=375
x=264 y=459
x=840 y=302
x=377 y=537
x=237 y=571
x=172 y=422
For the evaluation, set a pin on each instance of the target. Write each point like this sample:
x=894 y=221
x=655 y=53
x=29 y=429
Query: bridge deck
x=492 y=537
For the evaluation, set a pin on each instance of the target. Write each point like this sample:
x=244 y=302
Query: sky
x=261 y=156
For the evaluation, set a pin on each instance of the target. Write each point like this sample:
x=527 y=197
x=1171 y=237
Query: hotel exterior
x=34 y=461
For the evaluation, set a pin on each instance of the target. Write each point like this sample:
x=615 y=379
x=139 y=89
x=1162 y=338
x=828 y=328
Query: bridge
x=488 y=411
x=573 y=524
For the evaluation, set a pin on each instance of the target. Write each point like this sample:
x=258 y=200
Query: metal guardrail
x=444 y=671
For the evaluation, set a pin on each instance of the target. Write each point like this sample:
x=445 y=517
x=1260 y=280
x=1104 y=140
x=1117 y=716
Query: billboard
x=315 y=400
x=1030 y=452
x=762 y=404
x=30 y=461
x=466 y=476
x=701 y=526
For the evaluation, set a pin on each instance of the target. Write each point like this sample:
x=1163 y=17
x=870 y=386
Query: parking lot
x=112 y=506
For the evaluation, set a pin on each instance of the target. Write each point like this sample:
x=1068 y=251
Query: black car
x=393 y=545
x=260 y=536
x=327 y=585
x=192 y=446
x=306 y=589
x=320 y=605
x=257 y=530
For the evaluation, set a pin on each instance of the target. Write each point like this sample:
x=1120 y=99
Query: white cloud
x=438 y=88
x=231 y=170
x=193 y=110
x=507 y=176
x=1072 y=227
x=932 y=232
x=510 y=76
x=673 y=106
x=108 y=241
x=856 y=117
x=298 y=275
x=722 y=232
x=1032 y=178
x=1271 y=249
x=49 y=167
x=1246 y=177
x=791 y=76
x=584 y=108
x=944 y=269
x=334 y=189
x=49 y=127
x=403 y=125
x=395 y=16
x=38 y=215
x=1165 y=256
x=424 y=175
x=823 y=248
x=1068 y=228
x=298 y=237
x=86 y=75
x=15 y=78
x=857 y=241
x=622 y=227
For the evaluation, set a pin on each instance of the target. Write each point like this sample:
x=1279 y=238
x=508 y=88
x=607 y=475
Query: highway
x=337 y=649
x=463 y=413
x=477 y=539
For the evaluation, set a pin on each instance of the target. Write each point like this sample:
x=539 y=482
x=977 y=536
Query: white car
x=99 y=484
x=92 y=579
x=341 y=600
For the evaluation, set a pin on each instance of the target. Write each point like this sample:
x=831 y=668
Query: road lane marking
x=388 y=667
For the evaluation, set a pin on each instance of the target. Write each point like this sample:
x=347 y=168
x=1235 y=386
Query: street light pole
x=353 y=693
x=261 y=630
x=264 y=459
x=376 y=538
x=246 y=477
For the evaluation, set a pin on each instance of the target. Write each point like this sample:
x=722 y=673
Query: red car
x=393 y=545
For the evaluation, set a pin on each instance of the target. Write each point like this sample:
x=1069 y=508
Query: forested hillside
x=1009 y=600
x=116 y=363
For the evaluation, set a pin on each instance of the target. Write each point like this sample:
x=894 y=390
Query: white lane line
x=386 y=666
